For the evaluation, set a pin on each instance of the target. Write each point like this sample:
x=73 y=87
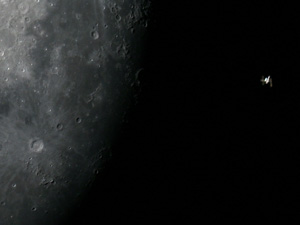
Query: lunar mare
x=66 y=71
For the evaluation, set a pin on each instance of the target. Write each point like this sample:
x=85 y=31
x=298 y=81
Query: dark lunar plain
x=204 y=142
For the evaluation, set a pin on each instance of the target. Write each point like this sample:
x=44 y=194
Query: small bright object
x=266 y=80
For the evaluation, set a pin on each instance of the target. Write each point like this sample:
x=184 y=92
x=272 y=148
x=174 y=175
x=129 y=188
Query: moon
x=67 y=76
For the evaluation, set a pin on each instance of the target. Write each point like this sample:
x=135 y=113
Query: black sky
x=205 y=136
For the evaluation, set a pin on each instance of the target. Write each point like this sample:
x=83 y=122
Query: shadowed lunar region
x=67 y=75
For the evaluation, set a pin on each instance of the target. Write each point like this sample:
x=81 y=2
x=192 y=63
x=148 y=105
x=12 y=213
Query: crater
x=23 y=7
x=36 y=145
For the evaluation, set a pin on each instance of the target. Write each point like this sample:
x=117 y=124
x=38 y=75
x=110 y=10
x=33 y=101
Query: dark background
x=206 y=141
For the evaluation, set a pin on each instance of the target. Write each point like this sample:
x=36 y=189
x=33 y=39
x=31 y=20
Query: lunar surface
x=67 y=76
